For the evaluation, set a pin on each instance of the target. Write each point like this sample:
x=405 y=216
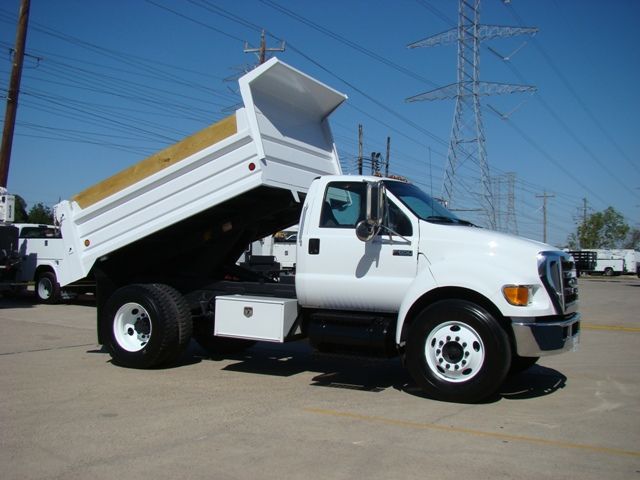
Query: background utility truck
x=382 y=269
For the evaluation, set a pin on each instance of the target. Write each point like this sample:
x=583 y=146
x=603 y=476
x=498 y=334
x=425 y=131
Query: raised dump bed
x=184 y=211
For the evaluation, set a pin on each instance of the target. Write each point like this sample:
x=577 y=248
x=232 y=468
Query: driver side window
x=343 y=205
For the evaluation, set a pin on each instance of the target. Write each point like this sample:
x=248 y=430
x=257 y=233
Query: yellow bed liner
x=158 y=161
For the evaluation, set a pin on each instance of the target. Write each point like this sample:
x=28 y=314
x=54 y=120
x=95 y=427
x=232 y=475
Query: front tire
x=457 y=351
x=47 y=288
x=146 y=325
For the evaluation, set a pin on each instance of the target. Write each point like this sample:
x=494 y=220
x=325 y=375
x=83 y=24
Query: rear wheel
x=47 y=288
x=146 y=325
x=608 y=271
x=457 y=351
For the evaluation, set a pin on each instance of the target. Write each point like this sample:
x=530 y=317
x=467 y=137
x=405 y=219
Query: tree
x=40 y=213
x=633 y=240
x=606 y=229
x=572 y=242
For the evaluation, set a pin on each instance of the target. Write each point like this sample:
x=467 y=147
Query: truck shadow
x=16 y=300
x=363 y=374
x=537 y=381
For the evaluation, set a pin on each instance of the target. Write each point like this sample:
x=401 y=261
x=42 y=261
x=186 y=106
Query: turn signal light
x=518 y=295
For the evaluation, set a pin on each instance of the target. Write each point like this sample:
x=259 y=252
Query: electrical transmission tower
x=467 y=143
x=511 y=222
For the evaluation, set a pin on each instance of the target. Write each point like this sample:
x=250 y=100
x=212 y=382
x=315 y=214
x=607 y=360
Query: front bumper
x=537 y=337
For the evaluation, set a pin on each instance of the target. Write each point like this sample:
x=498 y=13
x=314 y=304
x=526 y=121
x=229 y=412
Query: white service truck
x=42 y=253
x=382 y=269
x=608 y=262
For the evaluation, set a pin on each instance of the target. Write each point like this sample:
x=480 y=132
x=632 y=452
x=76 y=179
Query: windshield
x=421 y=204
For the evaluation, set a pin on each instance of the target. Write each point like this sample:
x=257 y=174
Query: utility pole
x=360 y=149
x=375 y=163
x=386 y=164
x=13 y=92
x=544 y=213
x=262 y=50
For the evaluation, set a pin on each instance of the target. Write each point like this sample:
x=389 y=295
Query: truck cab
x=423 y=263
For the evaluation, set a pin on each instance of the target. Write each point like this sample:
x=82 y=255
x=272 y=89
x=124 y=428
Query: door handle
x=314 y=246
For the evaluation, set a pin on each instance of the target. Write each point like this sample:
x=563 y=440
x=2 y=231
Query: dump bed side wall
x=281 y=139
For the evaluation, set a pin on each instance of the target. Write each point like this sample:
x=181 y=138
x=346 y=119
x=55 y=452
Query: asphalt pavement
x=282 y=411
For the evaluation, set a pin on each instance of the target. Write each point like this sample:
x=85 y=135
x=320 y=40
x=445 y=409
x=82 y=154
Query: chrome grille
x=558 y=274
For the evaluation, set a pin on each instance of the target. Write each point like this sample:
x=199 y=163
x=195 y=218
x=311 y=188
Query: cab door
x=336 y=270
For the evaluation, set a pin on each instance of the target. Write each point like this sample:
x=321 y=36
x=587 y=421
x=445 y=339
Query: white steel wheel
x=145 y=325
x=457 y=351
x=454 y=352
x=45 y=288
x=132 y=327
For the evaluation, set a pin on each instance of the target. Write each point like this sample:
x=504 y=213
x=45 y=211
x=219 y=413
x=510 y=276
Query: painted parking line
x=611 y=328
x=476 y=433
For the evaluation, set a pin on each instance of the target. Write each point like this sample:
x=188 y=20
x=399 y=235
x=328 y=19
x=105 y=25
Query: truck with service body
x=608 y=262
x=381 y=268
x=42 y=253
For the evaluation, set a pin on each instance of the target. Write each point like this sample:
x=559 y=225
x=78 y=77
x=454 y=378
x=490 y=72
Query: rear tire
x=457 y=351
x=608 y=272
x=146 y=325
x=47 y=288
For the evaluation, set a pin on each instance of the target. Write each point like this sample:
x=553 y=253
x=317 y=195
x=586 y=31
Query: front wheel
x=47 y=288
x=146 y=325
x=457 y=351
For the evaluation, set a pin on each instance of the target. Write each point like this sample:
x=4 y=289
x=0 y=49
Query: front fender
x=476 y=278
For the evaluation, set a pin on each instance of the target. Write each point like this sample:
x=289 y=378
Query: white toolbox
x=256 y=318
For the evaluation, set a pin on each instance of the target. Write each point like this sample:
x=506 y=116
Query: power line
x=575 y=95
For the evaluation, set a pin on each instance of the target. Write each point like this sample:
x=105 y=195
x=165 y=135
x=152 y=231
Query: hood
x=479 y=246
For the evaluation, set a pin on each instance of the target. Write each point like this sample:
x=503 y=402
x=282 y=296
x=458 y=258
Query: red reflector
x=252 y=167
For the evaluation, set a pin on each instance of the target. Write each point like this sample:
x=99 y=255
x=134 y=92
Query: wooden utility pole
x=360 y=149
x=13 y=92
x=386 y=163
x=544 y=213
x=262 y=50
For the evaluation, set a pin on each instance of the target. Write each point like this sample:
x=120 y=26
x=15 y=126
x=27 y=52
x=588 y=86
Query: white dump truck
x=382 y=269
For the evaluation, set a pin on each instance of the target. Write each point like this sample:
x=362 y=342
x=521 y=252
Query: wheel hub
x=132 y=327
x=454 y=351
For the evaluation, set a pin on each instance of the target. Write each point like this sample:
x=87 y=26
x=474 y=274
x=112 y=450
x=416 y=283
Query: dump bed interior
x=196 y=205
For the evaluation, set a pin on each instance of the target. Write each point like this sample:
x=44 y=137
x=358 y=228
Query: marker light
x=518 y=295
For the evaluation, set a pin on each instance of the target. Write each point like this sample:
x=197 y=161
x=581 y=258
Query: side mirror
x=365 y=231
x=375 y=202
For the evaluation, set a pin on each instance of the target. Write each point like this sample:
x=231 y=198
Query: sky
x=107 y=83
